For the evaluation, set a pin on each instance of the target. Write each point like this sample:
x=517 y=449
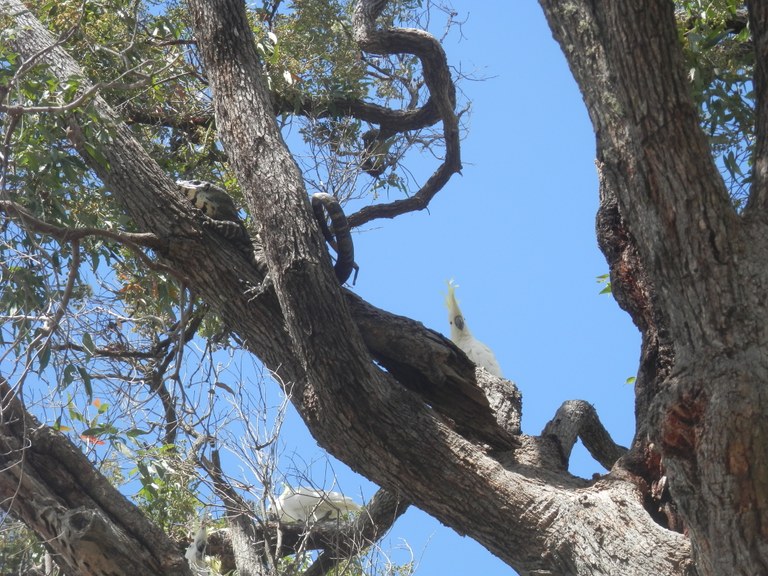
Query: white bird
x=475 y=350
x=195 y=553
x=303 y=504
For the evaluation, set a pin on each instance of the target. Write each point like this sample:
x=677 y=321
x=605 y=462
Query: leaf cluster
x=717 y=44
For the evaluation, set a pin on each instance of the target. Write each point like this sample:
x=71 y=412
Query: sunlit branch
x=579 y=419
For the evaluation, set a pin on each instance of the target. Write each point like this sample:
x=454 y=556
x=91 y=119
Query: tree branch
x=361 y=414
x=132 y=240
x=442 y=95
x=65 y=234
x=638 y=121
x=375 y=520
x=53 y=488
x=388 y=119
x=579 y=419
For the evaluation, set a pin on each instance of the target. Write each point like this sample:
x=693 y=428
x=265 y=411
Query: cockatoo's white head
x=455 y=317
x=475 y=350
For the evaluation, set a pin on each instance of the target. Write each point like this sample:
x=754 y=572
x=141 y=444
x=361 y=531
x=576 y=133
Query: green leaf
x=86 y=381
x=88 y=344
x=69 y=375
x=45 y=356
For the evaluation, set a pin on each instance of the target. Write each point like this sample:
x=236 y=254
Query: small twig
x=132 y=240
x=33 y=350
x=66 y=234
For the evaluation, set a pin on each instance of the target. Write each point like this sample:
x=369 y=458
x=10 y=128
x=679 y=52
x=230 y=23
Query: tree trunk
x=699 y=277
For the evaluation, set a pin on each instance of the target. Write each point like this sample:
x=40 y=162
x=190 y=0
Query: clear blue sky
x=516 y=232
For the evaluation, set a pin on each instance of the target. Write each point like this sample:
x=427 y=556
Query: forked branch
x=578 y=419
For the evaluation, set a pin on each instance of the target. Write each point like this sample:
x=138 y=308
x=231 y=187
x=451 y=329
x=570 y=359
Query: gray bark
x=694 y=275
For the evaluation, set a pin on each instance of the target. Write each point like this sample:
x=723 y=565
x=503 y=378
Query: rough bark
x=705 y=266
x=53 y=488
x=701 y=275
x=578 y=419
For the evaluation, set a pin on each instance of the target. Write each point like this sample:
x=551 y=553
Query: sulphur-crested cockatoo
x=475 y=350
x=304 y=504
x=195 y=553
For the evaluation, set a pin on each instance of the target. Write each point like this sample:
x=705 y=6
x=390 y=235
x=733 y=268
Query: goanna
x=219 y=207
x=222 y=215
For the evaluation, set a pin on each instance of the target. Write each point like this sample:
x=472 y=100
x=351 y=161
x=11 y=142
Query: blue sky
x=516 y=232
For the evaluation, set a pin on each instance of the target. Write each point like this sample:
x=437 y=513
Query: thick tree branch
x=638 y=121
x=337 y=393
x=579 y=419
x=360 y=414
x=705 y=267
x=635 y=293
x=186 y=123
x=388 y=119
x=51 y=486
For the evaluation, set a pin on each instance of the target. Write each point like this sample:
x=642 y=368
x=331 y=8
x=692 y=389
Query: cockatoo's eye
x=459 y=321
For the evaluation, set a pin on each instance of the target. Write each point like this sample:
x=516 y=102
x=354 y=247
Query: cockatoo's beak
x=459 y=321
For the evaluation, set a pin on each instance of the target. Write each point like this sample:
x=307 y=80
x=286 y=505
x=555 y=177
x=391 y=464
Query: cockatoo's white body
x=195 y=553
x=475 y=350
x=305 y=504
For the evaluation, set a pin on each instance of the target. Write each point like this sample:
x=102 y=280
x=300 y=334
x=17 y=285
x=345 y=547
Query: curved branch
x=578 y=419
x=388 y=119
x=376 y=519
x=437 y=78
